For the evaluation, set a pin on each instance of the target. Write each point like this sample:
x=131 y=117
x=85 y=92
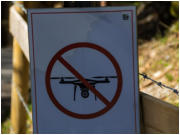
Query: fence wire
x=23 y=102
x=160 y=84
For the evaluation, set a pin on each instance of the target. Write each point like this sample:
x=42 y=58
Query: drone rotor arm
x=104 y=77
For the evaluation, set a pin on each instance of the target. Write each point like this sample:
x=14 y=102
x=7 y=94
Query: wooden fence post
x=20 y=81
x=20 y=78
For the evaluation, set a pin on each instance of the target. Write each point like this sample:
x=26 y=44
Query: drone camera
x=85 y=94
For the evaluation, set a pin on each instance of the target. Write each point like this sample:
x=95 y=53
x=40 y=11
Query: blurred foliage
x=169 y=77
x=5 y=127
x=175 y=27
x=174 y=10
x=177 y=104
x=159 y=58
x=163 y=62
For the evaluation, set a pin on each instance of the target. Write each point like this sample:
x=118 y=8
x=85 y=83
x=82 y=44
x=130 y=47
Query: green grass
x=174 y=27
x=164 y=63
x=176 y=104
x=164 y=39
x=5 y=127
x=159 y=64
x=169 y=77
x=30 y=107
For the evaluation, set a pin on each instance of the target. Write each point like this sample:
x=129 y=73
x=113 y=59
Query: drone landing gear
x=95 y=97
x=94 y=94
x=75 y=92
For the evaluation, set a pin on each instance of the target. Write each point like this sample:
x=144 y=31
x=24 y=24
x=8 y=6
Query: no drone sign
x=84 y=70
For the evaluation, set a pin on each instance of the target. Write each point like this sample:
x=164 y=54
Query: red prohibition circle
x=91 y=46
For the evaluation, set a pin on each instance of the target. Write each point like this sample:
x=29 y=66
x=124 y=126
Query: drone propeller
x=63 y=78
x=104 y=77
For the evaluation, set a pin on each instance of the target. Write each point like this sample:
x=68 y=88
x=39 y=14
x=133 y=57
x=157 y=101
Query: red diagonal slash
x=81 y=78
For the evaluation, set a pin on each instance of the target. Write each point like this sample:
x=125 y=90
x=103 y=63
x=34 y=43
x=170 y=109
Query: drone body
x=83 y=88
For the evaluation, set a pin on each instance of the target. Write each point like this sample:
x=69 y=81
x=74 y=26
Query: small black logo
x=125 y=17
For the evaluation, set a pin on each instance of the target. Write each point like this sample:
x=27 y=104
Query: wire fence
x=160 y=84
x=23 y=102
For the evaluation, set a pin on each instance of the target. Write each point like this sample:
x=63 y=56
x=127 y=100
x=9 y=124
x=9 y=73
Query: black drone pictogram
x=84 y=90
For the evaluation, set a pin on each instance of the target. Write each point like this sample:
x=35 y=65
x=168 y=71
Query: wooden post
x=20 y=78
x=20 y=81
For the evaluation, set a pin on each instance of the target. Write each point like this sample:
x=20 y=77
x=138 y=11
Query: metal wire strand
x=160 y=84
x=23 y=102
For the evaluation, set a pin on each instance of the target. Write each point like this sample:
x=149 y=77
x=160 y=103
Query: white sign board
x=84 y=70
